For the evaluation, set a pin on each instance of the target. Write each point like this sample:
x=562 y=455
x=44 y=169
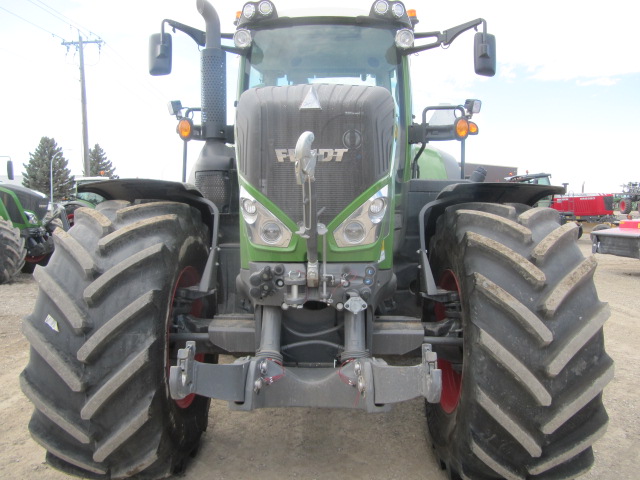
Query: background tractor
x=630 y=195
x=25 y=228
x=12 y=251
x=82 y=199
x=342 y=261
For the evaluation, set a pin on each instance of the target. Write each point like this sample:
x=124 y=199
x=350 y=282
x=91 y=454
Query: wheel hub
x=451 y=376
x=179 y=305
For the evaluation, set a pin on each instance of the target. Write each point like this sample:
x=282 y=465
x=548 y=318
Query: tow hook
x=181 y=375
x=433 y=376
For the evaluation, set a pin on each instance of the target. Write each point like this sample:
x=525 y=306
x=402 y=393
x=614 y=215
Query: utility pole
x=83 y=98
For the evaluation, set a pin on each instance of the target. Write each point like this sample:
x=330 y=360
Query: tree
x=48 y=156
x=99 y=166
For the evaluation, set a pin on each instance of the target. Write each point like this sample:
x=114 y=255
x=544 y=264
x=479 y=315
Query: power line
x=148 y=86
x=31 y=23
x=47 y=11
x=87 y=32
x=144 y=82
x=62 y=17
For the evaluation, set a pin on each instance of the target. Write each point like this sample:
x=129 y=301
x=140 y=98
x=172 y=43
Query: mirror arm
x=234 y=50
x=459 y=108
x=196 y=35
x=444 y=38
x=451 y=34
x=428 y=46
x=199 y=36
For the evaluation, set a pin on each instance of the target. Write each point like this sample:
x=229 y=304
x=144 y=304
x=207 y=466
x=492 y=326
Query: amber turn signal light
x=462 y=128
x=185 y=128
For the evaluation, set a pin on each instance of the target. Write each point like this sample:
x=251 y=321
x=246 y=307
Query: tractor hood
x=31 y=200
x=353 y=128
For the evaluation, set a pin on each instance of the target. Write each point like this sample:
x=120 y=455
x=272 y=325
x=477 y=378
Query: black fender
x=525 y=193
x=78 y=203
x=132 y=189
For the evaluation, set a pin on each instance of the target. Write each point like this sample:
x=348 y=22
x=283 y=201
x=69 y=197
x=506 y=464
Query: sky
x=565 y=99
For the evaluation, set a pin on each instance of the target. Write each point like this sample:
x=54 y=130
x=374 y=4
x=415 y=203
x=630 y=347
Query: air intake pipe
x=213 y=74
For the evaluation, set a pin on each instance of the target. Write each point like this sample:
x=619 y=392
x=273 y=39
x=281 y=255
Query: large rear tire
x=522 y=398
x=99 y=335
x=625 y=205
x=12 y=251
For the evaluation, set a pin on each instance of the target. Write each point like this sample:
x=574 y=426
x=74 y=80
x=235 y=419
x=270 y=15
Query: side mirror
x=484 y=58
x=160 y=54
x=10 y=170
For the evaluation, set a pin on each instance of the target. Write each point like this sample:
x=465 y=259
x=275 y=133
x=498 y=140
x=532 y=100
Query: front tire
x=527 y=402
x=12 y=251
x=625 y=205
x=100 y=353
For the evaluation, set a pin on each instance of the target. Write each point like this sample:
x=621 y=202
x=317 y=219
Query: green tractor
x=82 y=199
x=25 y=229
x=337 y=256
x=12 y=251
x=630 y=195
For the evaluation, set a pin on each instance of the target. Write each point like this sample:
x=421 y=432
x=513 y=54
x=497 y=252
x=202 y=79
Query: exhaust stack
x=213 y=74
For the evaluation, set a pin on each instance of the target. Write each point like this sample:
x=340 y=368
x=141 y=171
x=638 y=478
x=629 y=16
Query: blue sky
x=565 y=99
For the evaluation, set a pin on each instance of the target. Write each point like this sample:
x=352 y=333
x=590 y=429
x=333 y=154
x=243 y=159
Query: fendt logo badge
x=323 y=154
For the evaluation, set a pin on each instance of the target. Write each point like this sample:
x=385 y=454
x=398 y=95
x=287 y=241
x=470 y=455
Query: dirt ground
x=329 y=444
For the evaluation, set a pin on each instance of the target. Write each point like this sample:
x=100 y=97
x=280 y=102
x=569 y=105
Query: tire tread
x=534 y=360
x=113 y=384
x=571 y=281
x=43 y=404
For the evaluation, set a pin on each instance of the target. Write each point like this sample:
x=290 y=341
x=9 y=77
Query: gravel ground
x=328 y=444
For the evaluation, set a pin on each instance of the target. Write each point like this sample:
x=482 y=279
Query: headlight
x=271 y=233
x=354 y=232
x=249 y=11
x=397 y=10
x=265 y=8
x=377 y=209
x=404 y=38
x=363 y=226
x=242 y=38
x=33 y=220
x=249 y=210
x=263 y=227
x=381 y=7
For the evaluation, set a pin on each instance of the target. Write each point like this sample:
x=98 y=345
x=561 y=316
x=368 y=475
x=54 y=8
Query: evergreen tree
x=99 y=166
x=48 y=156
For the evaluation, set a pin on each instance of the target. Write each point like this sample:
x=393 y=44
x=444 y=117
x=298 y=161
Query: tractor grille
x=608 y=202
x=353 y=131
x=215 y=185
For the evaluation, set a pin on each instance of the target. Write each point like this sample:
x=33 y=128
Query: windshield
x=90 y=197
x=319 y=53
x=538 y=181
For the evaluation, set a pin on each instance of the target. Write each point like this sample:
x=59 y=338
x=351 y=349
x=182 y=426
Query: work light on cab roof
x=394 y=10
x=255 y=12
